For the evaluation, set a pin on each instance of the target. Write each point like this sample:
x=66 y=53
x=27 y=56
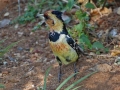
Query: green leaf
x=97 y=45
x=45 y=78
x=79 y=27
x=2 y=86
x=80 y=14
x=106 y=49
x=89 y=5
x=85 y=40
x=70 y=4
x=79 y=81
x=65 y=81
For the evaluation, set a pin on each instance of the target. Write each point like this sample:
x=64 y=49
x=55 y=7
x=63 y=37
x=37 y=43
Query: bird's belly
x=65 y=53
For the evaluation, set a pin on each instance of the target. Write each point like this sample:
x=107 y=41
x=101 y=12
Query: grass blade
x=79 y=81
x=5 y=50
x=76 y=88
x=2 y=41
x=65 y=81
x=2 y=86
x=45 y=78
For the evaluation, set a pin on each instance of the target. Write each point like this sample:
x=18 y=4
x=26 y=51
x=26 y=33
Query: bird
x=63 y=46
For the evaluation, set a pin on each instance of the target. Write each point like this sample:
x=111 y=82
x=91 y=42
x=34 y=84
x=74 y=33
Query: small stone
x=0 y=74
x=45 y=60
x=25 y=8
x=118 y=11
x=4 y=23
x=5 y=63
x=17 y=55
x=52 y=61
x=30 y=73
x=47 y=63
x=19 y=48
x=16 y=26
x=66 y=18
x=91 y=53
x=33 y=85
x=31 y=33
x=50 y=75
x=11 y=59
x=117 y=61
x=20 y=34
x=36 y=42
x=6 y=14
x=112 y=33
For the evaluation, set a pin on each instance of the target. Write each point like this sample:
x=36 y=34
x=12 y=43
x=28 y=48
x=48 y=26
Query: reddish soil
x=29 y=59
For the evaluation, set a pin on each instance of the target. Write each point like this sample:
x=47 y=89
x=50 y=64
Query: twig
x=19 y=7
x=97 y=9
x=116 y=3
x=104 y=4
x=89 y=1
x=74 y=4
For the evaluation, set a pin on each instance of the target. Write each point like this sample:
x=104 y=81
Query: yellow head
x=54 y=20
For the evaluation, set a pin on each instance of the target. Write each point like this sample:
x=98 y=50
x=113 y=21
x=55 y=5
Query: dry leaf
x=104 y=67
x=106 y=11
x=95 y=13
x=81 y=1
x=84 y=2
x=35 y=57
x=115 y=52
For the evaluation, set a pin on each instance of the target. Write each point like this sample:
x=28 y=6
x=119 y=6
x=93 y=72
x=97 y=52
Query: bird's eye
x=53 y=22
x=46 y=16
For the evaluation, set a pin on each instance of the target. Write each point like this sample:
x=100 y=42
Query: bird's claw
x=59 y=77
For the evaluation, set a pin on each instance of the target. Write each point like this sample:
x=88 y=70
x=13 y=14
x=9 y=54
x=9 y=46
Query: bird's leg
x=60 y=73
x=60 y=70
x=75 y=69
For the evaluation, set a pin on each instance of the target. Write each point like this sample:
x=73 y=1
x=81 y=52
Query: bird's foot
x=59 y=77
x=75 y=70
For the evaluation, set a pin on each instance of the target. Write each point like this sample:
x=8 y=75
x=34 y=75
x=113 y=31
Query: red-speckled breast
x=59 y=48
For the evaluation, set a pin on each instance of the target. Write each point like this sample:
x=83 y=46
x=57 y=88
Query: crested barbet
x=65 y=49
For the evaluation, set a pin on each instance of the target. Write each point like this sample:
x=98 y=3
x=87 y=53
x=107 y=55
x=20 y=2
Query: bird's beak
x=46 y=14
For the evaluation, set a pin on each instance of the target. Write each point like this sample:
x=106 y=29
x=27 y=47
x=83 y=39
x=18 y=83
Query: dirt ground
x=27 y=62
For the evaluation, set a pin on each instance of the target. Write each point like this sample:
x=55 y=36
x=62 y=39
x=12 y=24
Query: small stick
x=19 y=7
x=104 y=4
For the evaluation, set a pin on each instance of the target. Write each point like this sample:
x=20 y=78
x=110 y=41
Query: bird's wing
x=74 y=45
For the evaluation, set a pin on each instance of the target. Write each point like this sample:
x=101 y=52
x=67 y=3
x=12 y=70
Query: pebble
x=32 y=72
x=117 y=61
x=16 y=26
x=6 y=14
x=20 y=34
x=0 y=74
x=118 y=11
x=4 y=23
